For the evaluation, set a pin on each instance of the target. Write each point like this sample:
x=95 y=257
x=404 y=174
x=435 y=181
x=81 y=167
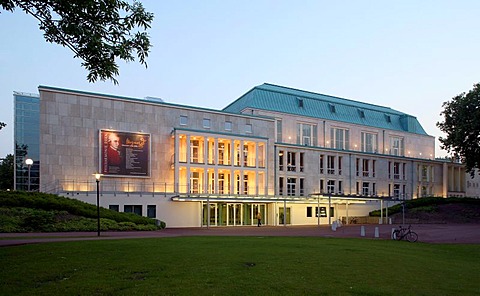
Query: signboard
x=124 y=153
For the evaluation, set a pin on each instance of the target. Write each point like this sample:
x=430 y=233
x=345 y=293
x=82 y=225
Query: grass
x=239 y=266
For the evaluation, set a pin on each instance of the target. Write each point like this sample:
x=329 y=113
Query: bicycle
x=403 y=232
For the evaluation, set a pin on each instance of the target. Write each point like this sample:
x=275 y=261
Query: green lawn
x=240 y=266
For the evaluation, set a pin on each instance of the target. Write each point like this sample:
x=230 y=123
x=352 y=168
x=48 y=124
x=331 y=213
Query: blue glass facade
x=27 y=140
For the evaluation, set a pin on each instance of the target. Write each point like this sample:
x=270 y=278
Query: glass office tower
x=27 y=140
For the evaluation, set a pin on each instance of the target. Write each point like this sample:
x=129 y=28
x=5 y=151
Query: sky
x=410 y=56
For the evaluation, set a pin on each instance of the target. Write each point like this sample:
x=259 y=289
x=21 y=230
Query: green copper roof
x=303 y=103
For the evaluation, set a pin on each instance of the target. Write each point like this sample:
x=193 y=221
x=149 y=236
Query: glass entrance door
x=259 y=208
x=281 y=215
x=213 y=214
x=234 y=214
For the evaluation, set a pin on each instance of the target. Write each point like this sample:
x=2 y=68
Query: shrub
x=427 y=203
x=33 y=211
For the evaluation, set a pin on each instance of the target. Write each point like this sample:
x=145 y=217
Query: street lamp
x=97 y=178
x=29 y=163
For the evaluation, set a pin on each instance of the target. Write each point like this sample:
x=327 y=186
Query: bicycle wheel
x=412 y=237
x=397 y=235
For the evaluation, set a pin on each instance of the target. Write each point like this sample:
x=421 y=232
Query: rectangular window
x=194 y=182
x=248 y=128
x=330 y=165
x=211 y=182
x=279 y=131
x=280 y=160
x=245 y=184
x=404 y=170
x=396 y=170
x=302 y=186
x=291 y=186
x=369 y=142
x=136 y=209
x=424 y=173
x=374 y=189
x=331 y=186
x=396 y=190
x=340 y=165
x=309 y=212
x=366 y=172
x=224 y=151
x=322 y=186
x=339 y=138
x=115 y=208
x=206 y=123
x=322 y=213
x=306 y=134
x=302 y=155
x=151 y=211
x=245 y=155
x=340 y=187
x=224 y=179
x=183 y=120
x=374 y=162
x=357 y=167
x=291 y=162
x=424 y=191
x=397 y=147
x=321 y=164
x=194 y=151
x=365 y=188
x=228 y=125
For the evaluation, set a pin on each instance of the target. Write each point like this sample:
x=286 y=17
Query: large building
x=293 y=156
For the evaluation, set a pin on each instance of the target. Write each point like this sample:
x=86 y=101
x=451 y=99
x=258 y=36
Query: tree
x=6 y=172
x=97 y=31
x=462 y=128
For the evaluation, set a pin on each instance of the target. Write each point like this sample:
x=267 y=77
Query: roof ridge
x=339 y=98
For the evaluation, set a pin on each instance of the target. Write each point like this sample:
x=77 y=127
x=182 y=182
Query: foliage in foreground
x=427 y=203
x=239 y=266
x=33 y=211
x=98 y=32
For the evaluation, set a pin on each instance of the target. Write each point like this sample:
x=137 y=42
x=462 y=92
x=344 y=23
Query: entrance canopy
x=311 y=198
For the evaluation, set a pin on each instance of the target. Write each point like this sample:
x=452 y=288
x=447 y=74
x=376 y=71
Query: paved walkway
x=427 y=233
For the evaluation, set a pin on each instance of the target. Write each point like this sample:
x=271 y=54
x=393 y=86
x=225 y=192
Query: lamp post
x=97 y=179
x=29 y=163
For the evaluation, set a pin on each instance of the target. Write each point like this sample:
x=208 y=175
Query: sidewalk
x=428 y=233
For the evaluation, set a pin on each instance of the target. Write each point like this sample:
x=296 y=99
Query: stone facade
x=212 y=167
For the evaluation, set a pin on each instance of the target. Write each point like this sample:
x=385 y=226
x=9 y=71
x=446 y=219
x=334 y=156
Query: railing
x=142 y=187
x=109 y=186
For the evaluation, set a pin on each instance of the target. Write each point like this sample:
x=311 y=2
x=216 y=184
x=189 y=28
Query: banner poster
x=124 y=153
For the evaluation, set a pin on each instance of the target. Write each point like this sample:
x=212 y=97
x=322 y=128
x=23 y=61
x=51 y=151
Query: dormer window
x=332 y=108
x=361 y=113
x=388 y=118
x=300 y=102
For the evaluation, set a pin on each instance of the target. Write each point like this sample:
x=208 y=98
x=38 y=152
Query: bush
x=427 y=203
x=33 y=211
